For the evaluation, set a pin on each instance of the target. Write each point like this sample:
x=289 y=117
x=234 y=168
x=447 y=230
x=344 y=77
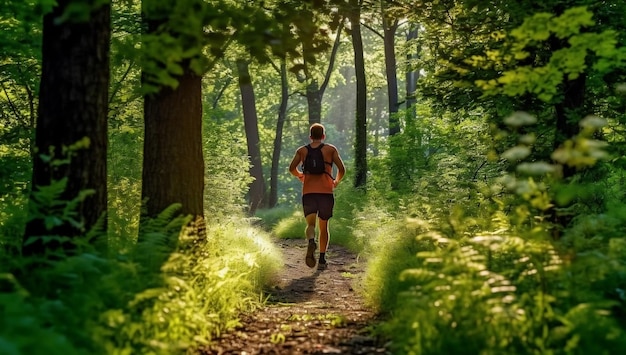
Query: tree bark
x=571 y=109
x=251 y=126
x=569 y=113
x=278 y=139
x=389 y=39
x=411 y=75
x=314 y=101
x=73 y=106
x=360 y=146
x=315 y=91
x=173 y=165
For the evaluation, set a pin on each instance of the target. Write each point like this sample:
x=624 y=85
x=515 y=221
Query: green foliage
x=460 y=262
x=25 y=329
x=204 y=285
x=196 y=33
x=348 y=203
x=585 y=50
x=13 y=194
x=124 y=190
x=78 y=11
x=391 y=248
x=494 y=273
x=47 y=205
x=270 y=218
x=226 y=163
x=177 y=26
x=429 y=140
x=170 y=293
x=290 y=227
x=225 y=184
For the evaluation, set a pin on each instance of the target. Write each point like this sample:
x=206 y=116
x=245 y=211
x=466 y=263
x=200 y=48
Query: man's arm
x=341 y=169
x=293 y=167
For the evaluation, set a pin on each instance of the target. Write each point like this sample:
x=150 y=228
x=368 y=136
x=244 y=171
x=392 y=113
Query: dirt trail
x=310 y=311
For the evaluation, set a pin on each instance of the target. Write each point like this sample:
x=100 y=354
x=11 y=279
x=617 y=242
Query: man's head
x=317 y=131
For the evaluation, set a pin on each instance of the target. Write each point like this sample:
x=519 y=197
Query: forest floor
x=309 y=311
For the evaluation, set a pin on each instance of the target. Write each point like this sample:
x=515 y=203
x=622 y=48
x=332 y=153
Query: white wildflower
x=593 y=122
x=516 y=153
x=519 y=119
x=537 y=168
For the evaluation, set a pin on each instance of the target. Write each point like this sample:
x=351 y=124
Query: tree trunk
x=73 y=106
x=569 y=113
x=411 y=74
x=360 y=146
x=251 y=125
x=315 y=91
x=314 y=101
x=173 y=165
x=570 y=110
x=389 y=38
x=280 y=123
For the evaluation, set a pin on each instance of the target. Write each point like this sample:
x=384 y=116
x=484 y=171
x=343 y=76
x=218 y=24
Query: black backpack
x=314 y=162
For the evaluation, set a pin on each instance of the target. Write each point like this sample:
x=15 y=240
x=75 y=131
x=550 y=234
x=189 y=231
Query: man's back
x=319 y=183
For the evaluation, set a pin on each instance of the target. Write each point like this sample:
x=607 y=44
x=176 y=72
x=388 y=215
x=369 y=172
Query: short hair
x=317 y=131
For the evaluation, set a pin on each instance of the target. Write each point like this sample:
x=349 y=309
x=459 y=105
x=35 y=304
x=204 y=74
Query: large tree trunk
x=73 y=107
x=173 y=161
x=173 y=165
x=280 y=123
x=251 y=125
x=360 y=145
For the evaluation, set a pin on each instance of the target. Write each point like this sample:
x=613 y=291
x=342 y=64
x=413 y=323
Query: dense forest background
x=144 y=149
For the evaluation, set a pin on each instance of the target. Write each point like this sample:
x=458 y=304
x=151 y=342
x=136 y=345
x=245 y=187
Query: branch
x=372 y=29
x=119 y=83
x=333 y=55
x=221 y=92
x=13 y=108
x=478 y=169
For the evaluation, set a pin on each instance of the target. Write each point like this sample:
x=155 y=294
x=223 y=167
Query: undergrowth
x=480 y=256
x=169 y=293
x=482 y=268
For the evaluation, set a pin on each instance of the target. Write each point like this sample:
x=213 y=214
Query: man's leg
x=309 y=232
x=310 y=236
x=327 y=203
x=324 y=234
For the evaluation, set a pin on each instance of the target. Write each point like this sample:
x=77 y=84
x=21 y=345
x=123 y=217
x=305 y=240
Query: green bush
x=518 y=264
x=169 y=293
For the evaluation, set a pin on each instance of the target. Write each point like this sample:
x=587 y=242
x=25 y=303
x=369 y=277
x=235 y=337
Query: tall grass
x=150 y=300
x=461 y=266
x=157 y=289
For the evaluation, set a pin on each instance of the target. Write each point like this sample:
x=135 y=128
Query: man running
x=317 y=191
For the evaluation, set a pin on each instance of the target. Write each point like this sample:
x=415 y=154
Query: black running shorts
x=321 y=204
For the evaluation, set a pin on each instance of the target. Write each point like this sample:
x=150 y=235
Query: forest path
x=310 y=311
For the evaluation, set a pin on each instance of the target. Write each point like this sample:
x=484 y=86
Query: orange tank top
x=320 y=183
